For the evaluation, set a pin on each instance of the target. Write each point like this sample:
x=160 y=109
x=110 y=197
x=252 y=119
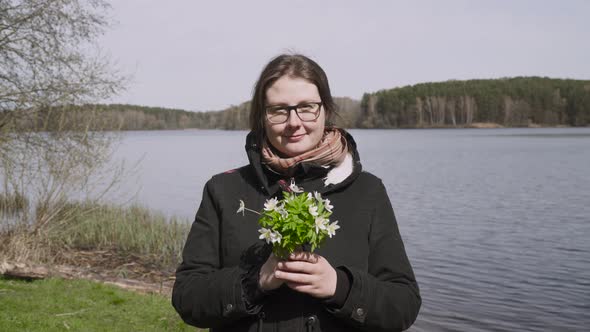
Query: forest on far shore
x=507 y=102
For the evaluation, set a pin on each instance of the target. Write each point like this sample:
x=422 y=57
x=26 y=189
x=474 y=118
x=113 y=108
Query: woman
x=359 y=280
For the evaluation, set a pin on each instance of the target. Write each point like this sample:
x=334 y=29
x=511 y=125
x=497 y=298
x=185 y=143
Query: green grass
x=12 y=203
x=134 y=229
x=80 y=305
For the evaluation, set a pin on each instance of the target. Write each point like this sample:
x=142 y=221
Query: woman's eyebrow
x=286 y=104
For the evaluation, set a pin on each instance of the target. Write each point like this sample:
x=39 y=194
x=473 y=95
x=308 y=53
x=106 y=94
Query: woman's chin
x=295 y=149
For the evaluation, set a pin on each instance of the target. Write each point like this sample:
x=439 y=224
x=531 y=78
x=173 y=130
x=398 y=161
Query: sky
x=207 y=55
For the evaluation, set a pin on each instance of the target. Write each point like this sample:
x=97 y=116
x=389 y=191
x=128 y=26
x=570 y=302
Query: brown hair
x=294 y=65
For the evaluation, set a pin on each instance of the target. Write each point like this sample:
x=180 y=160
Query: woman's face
x=294 y=137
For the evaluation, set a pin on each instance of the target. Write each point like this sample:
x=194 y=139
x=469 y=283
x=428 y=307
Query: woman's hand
x=267 y=280
x=308 y=273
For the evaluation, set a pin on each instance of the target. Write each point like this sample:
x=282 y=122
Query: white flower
x=271 y=204
x=294 y=187
x=309 y=196
x=331 y=228
x=265 y=234
x=313 y=210
x=275 y=237
x=242 y=207
x=269 y=235
x=320 y=223
x=317 y=196
x=282 y=211
x=327 y=205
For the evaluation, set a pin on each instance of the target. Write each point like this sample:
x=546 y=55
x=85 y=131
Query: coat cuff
x=355 y=305
x=231 y=301
x=251 y=261
x=252 y=294
x=343 y=280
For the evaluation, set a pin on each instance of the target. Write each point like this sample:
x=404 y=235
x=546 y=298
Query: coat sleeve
x=206 y=294
x=386 y=297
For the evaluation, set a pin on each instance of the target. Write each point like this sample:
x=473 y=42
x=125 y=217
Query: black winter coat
x=216 y=283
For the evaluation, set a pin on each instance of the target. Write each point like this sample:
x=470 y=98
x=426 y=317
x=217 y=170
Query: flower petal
x=242 y=207
x=313 y=210
x=271 y=204
x=294 y=188
x=327 y=205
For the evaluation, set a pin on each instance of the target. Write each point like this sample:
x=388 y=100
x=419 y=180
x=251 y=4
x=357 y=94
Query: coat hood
x=309 y=175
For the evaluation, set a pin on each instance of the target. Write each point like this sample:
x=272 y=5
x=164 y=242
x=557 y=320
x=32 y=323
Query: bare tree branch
x=50 y=144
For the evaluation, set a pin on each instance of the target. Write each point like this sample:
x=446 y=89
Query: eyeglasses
x=307 y=112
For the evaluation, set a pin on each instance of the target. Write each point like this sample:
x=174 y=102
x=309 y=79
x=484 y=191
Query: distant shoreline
x=474 y=125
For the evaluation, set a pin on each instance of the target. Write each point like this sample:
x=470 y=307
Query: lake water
x=495 y=221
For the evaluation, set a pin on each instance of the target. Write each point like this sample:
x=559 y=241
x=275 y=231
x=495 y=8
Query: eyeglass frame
x=289 y=108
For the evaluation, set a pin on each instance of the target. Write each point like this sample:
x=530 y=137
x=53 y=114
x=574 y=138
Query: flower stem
x=258 y=213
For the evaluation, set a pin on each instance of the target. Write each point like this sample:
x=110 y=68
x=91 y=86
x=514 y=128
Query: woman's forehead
x=291 y=90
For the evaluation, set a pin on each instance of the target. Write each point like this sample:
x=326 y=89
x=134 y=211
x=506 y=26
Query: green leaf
x=298 y=228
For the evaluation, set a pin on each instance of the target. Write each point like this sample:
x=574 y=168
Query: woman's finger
x=297 y=266
x=300 y=278
x=304 y=256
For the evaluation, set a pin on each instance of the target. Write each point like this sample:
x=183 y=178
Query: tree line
x=509 y=102
x=134 y=117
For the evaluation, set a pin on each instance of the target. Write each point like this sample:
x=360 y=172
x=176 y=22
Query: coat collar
x=310 y=176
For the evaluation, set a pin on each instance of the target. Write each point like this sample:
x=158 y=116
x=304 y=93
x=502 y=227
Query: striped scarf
x=331 y=151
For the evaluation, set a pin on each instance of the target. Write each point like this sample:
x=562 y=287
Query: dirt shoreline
x=127 y=271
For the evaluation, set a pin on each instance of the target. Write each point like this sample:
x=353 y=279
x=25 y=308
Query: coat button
x=360 y=312
x=229 y=307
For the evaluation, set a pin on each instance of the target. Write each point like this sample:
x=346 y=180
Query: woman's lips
x=295 y=138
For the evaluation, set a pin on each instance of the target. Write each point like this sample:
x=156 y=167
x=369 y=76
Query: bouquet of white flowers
x=296 y=220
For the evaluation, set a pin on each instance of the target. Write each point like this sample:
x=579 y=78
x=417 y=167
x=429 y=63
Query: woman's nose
x=293 y=120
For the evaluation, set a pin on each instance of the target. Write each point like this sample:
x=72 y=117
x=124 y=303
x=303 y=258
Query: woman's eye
x=305 y=108
x=279 y=111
